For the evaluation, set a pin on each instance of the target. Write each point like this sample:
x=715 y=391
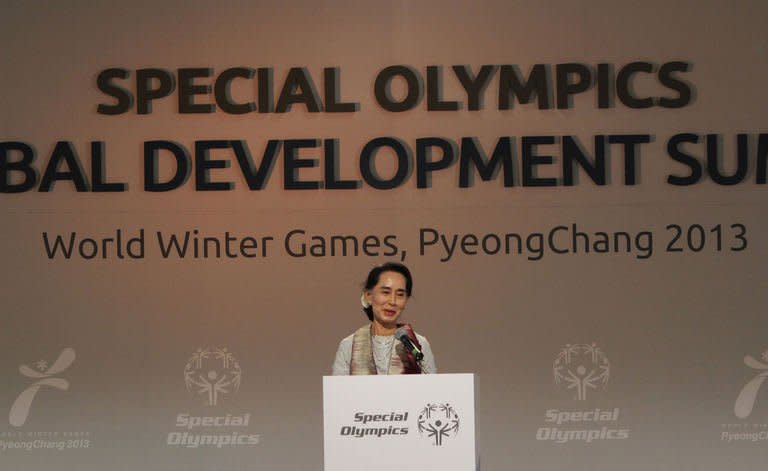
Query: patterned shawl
x=401 y=360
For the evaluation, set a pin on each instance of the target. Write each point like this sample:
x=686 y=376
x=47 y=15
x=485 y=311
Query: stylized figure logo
x=438 y=421
x=211 y=372
x=20 y=408
x=581 y=367
x=748 y=395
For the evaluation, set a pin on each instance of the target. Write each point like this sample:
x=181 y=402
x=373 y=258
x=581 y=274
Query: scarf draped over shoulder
x=401 y=361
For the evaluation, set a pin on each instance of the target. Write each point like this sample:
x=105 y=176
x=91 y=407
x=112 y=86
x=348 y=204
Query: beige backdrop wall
x=671 y=329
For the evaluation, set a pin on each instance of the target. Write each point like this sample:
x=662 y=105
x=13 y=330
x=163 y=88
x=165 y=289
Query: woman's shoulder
x=347 y=339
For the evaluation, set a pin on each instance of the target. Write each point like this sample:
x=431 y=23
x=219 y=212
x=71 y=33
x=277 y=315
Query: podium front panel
x=403 y=422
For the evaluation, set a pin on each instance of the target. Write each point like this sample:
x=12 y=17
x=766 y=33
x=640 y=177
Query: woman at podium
x=385 y=346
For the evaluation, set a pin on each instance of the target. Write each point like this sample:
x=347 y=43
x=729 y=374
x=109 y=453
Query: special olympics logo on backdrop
x=20 y=408
x=438 y=421
x=581 y=367
x=212 y=372
x=748 y=395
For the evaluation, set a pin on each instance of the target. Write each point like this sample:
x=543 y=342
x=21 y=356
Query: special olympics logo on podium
x=581 y=367
x=212 y=372
x=437 y=422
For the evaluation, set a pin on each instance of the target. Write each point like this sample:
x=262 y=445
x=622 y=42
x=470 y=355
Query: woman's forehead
x=391 y=279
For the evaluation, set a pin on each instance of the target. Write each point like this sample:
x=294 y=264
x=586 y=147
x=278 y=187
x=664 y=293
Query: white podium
x=402 y=422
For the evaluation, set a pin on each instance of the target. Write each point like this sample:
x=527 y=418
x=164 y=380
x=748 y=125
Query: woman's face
x=387 y=299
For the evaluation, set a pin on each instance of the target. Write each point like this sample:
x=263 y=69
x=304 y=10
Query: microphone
x=402 y=336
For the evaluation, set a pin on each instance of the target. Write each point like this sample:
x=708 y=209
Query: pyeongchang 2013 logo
x=437 y=422
x=44 y=375
x=745 y=404
x=46 y=379
x=748 y=395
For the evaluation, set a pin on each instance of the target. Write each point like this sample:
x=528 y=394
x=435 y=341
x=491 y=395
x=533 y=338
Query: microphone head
x=400 y=333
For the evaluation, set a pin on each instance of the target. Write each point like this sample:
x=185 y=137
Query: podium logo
x=748 y=395
x=212 y=373
x=43 y=373
x=437 y=422
x=581 y=367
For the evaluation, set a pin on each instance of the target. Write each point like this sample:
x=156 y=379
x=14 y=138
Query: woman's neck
x=381 y=329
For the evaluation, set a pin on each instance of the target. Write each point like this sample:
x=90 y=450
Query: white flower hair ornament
x=364 y=301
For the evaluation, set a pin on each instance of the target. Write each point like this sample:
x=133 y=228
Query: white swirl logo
x=20 y=408
x=581 y=367
x=212 y=372
x=748 y=395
